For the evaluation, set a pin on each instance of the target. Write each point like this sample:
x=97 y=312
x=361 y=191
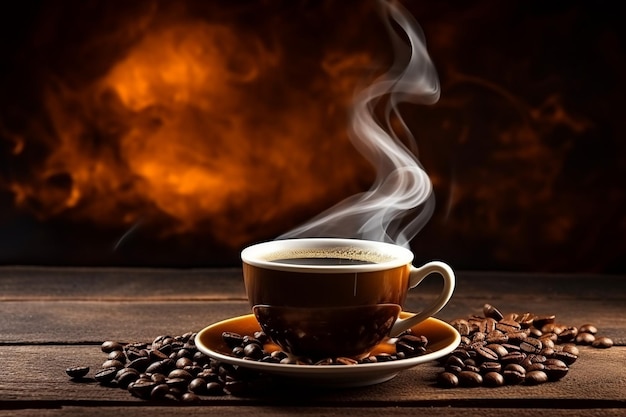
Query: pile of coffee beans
x=511 y=349
x=251 y=347
x=173 y=369
x=168 y=369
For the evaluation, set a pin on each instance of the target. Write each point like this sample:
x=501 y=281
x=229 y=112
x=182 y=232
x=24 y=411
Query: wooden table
x=54 y=318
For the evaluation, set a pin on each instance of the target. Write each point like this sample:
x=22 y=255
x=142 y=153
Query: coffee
x=321 y=261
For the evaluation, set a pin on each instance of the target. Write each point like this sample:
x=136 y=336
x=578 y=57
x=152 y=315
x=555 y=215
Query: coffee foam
x=342 y=252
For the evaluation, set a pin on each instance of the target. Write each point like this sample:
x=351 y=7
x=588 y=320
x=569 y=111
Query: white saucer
x=442 y=339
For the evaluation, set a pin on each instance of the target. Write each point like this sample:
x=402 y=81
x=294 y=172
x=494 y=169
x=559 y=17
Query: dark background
x=525 y=147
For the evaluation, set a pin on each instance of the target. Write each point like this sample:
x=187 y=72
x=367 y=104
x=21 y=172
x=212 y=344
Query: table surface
x=54 y=318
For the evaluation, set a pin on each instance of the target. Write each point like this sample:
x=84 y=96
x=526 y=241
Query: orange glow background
x=170 y=134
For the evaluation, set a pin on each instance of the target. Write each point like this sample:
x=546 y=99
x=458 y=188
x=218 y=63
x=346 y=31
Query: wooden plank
x=34 y=376
x=37 y=373
x=27 y=283
x=285 y=411
x=28 y=322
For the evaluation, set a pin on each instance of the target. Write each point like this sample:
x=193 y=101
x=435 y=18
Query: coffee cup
x=331 y=297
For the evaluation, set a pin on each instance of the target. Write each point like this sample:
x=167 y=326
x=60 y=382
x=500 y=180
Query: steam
x=401 y=200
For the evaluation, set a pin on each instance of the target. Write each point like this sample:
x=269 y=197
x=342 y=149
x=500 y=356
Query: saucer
x=442 y=339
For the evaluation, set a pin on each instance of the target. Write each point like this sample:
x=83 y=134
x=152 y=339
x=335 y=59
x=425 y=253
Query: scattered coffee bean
x=106 y=375
x=77 y=372
x=602 y=342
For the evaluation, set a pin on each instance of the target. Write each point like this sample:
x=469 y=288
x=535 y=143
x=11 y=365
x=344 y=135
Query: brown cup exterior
x=326 y=314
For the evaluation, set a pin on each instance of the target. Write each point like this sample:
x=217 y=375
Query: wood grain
x=53 y=318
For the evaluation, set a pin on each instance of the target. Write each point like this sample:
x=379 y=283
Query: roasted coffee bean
x=487 y=367
x=588 y=328
x=447 y=380
x=198 y=386
x=214 y=388
x=190 y=398
x=470 y=379
x=536 y=377
x=125 y=376
x=159 y=391
x=493 y=379
x=253 y=351
x=486 y=353
x=508 y=326
x=491 y=312
x=514 y=374
x=109 y=363
x=512 y=358
x=106 y=375
x=462 y=326
x=498 y=349
x=602 y=342
x=180 y=373
x=555 y=369
x=567 y=335
x=531 y=345
x=109 y=346
x=142 y=388
x=567 y=357
x=178 y=383
x=117 y=355
x=535 y=367
x=158 y=378
x=140 y=364
x=232 y=339
x=497 y=336
x=183 y=362
x=346 y=361
x=540 y=321
x=585 y=338
x=77 y=372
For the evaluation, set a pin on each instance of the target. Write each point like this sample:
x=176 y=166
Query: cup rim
x=259 y=254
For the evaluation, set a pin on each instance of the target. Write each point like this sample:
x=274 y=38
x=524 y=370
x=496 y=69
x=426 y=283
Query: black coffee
x=321 y=261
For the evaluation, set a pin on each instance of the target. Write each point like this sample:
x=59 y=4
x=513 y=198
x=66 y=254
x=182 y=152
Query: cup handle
x=417 y=275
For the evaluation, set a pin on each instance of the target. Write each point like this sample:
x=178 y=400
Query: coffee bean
x=109 y=346
x=602 y=342
x=508 y=326
x=470 y=379
x=585 y=338
x=214 y=388
x=117 y=355
x=536 y=377
x=487 y=367
x=447 y=380
x=486 y=353
x=253 y=351
x=232 y=339
x=106 y=375
x=493 y=379
x=462 y=326
x=540 y=321
x=112 y=364
x=180 y=373
x=125 y=376
x=567 y=335
x=555 y=369
x=142 y=388
x=588 y=328
x=198 y=386
x=77 y=372
x=514 y=374
x=491 y=312
x=140 y=364
x=531 y=345
x=159 y=391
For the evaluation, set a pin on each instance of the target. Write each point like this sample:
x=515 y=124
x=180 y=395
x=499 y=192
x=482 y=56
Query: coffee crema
x=328 y=256
x=322 y=261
